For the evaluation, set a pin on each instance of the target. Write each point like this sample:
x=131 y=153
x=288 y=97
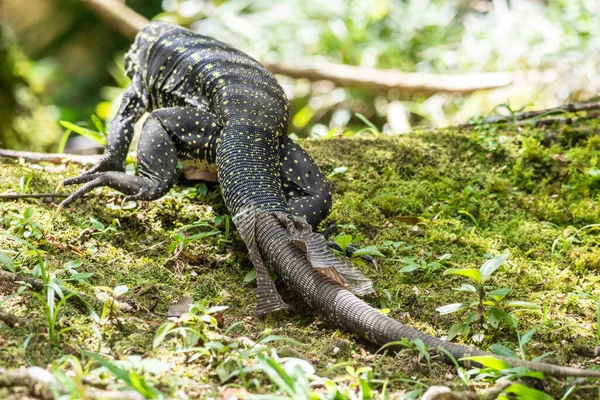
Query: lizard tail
x=278 y=247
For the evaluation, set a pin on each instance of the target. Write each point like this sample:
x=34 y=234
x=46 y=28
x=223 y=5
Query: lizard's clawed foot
x=92 y=182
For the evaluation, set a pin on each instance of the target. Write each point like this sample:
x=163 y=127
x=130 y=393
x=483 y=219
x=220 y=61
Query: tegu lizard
x=212 y=104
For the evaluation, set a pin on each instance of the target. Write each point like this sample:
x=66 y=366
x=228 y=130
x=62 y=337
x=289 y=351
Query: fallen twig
x=9 y=319
x=522 y=116
x=385 y=79
x=54 y=158
x=10 y=196
x=41 y=384
x=36 y=284
x=128 y=22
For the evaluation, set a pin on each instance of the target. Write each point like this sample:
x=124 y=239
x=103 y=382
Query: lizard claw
x=59 y=187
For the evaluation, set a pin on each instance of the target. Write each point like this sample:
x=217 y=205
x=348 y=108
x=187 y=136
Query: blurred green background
x=58 y=61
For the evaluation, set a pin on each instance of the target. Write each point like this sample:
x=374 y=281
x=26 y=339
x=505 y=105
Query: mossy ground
x=477 y=192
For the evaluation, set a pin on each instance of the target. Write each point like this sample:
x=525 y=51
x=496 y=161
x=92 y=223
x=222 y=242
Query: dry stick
x=54 y=158
x=9 y=319
x=36 y=284
x=567 y=108
x=10 y=196
x=384 y=80
x=40 y=384
x=128 y=22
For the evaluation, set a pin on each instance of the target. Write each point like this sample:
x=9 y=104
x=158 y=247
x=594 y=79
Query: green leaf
x=79 y=276
x=489 y=362
x=98 y=124
x=420 y=347
x=502 y=350
x=277 y=338
x=28 y=213
x=99 y=226
x=522 y=304
x=490 y=266
x=88 y=133
x=369 y=250
x=119 y=290
x=465 y=287
x=542 y=356
x=452 y=308
x=498 y=294
x=458 y=329
x=495 y=316
x=133 y=380
x=526 y=338
x=250 y=276
x=474 y=274
x=367 y=122
x=523 y=392
x=73 y=264
x=409 y=268
x=130 y=205
x=338 y=170
x=277 y=374
x=162 y=333
x=7 y=263
x=343 y=241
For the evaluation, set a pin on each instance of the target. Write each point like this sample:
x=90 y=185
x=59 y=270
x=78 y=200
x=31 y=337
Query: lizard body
x=212 y=104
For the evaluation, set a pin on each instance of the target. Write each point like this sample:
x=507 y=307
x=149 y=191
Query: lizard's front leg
x=167 y=133
x=120 y=133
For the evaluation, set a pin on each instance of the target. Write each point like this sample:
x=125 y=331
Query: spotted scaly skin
x=212 y=104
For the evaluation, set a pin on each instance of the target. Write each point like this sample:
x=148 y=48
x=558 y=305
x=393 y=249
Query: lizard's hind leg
x=303 y=183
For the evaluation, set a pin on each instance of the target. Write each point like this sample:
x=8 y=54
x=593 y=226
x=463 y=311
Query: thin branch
x=54 y=158
x=40 y=383
x=522 y=116
x=10 y=196
x=118 y=15
x=128 y=22
x=9 y=319
x=385 y=79
x=36 y=284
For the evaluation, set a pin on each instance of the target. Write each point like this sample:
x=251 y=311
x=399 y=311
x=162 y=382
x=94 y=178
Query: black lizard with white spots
x=216 y=107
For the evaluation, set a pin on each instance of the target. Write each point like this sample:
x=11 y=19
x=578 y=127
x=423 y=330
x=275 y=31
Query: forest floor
x=428 y=200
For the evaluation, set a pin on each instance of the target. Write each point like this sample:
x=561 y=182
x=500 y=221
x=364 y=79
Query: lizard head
x=138 y=52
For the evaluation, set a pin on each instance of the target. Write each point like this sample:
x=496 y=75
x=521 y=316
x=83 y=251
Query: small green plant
x=73 y=275
x=192 y=327
x=427 y=262
x=490 y=307
x=394 y=247
x=132 y=378
x=99 y=135
x=109 y=297
x=23 y=226
x=344 y=240
x=415 y=345
x=107 y=231
x=522 y=341
x=567 y=238
x=494 y=368
x=371 y=128
x=52 y=294
x=25 y=181
x=224 y=220
x=8 y=263
x=179 y=241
